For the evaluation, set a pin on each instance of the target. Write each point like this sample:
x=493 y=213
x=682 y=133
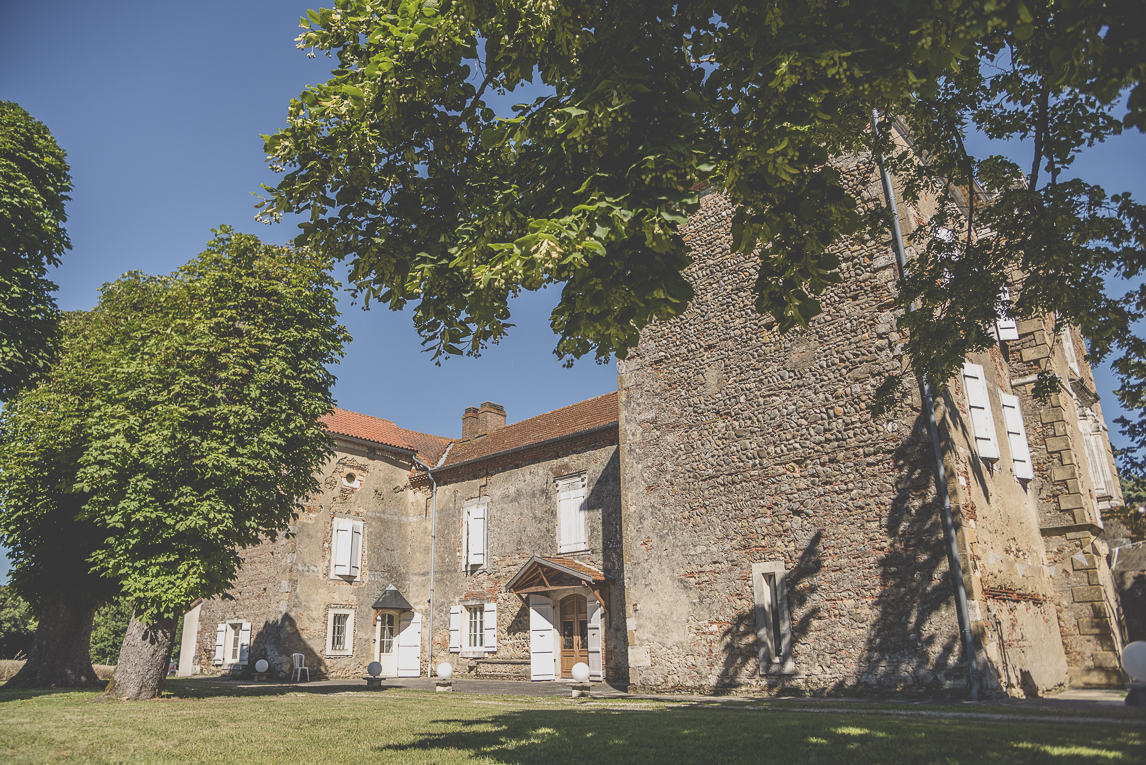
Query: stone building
x=778 y=538
x=525 y=543
x=732 y=519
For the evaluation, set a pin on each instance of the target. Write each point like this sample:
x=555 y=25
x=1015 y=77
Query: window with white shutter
x=455 y=629
x=346 y=549
x=1068 y=350
x=572 y=517
x=1005 y=328
x=220 y=643
x=982 y=419
x=476 y=512
x=489 y=619
x=1017 y=437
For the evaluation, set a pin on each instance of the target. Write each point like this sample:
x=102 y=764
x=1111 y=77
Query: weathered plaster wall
x=285 y=589
x=522 y=519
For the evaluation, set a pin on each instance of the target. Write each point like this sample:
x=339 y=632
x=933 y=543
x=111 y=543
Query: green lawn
x=197 y=722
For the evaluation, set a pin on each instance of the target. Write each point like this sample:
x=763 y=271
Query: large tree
x=42 y=435
x=197 y=432
x=406 y=169
x=34 y=184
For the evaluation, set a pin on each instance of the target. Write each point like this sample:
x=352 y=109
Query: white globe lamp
x=445 y=670
x=1134 y=660
x=581 y=672
x=374 y=668
x=261 y=666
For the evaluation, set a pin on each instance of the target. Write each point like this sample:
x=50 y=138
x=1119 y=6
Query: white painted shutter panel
x=580 y=520
x=595 y=668
x=355 y=549
x=341 y=542
x=565 y=519
x=489 y=621
x=477 y=535
x=1017 y=437
x=982 y=419
x=220 y=641
x=244 y=643
x=410 y=644
x=1006 y=329
x=541 y=657
x=455 y=629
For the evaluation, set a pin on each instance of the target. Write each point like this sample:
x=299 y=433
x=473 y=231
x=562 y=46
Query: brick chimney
x=469 y=422
x=479 y=420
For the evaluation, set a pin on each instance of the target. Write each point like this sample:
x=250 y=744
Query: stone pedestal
x=261 y=677
x=373 y=682
x=1136 y=694
x=441 y=685
x=580 y=690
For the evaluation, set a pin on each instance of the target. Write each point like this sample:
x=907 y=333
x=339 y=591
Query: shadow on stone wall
x=905 y=646
x=606 y=494
x=738 y=639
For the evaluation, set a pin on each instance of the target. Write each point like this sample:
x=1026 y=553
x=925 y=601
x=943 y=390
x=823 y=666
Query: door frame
x=378 y=641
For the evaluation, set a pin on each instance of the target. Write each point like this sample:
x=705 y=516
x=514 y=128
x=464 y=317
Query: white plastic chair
x=299 y=667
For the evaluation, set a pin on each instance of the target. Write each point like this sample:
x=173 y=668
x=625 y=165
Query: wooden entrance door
x=574 y=633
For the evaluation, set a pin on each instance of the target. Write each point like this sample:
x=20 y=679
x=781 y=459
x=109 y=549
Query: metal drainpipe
x=926 y=394
x=433 y=538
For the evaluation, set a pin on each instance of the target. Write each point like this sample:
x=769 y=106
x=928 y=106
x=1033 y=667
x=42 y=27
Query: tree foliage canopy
x=407 y=170
x=191 y=419
x=34 y=184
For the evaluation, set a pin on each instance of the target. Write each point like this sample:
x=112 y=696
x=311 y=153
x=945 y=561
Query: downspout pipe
x=928 y=397
x=433 y=538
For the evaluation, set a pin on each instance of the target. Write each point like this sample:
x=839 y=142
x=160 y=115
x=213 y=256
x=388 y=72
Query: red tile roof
x=567 y=421
x=362 y=426
x=580 y=567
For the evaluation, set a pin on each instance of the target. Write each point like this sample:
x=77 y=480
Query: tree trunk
x=60 y=657
x=143 y=659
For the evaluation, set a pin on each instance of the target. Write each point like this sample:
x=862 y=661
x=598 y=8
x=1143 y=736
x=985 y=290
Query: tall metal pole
x=953 y=560
x=433 y=538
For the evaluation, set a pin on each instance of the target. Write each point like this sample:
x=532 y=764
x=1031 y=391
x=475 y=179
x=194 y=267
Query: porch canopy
x=541 y=575
x=392 y=600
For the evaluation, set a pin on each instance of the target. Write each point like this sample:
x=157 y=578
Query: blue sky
x=160 y=107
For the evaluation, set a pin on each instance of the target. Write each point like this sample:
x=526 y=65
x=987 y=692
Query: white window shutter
x=355 y=549
x=541 y=654
x=982 y=419
x=1068 y=350
x=244 y=642
x=1006 y=329
x=1017 y=437
x=342 y=543
x=571 y=517
x=220 y=642
x=564 y=524
x=410 y=644
x=596 y=671
x=489 y=621
x=580 y=520
x=1092 y=438
x=455 y=629
x=476 y=535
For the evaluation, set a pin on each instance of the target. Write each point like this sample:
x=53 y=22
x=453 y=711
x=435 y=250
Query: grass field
x=197 y=722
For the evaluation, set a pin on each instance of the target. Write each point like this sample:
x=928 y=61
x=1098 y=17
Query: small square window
x=340 y=632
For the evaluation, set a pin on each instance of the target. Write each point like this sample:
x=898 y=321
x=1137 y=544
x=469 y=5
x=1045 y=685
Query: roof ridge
x=534 y=417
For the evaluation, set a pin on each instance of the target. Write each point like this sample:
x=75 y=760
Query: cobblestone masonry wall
x=740 y=445
x=522 y=520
